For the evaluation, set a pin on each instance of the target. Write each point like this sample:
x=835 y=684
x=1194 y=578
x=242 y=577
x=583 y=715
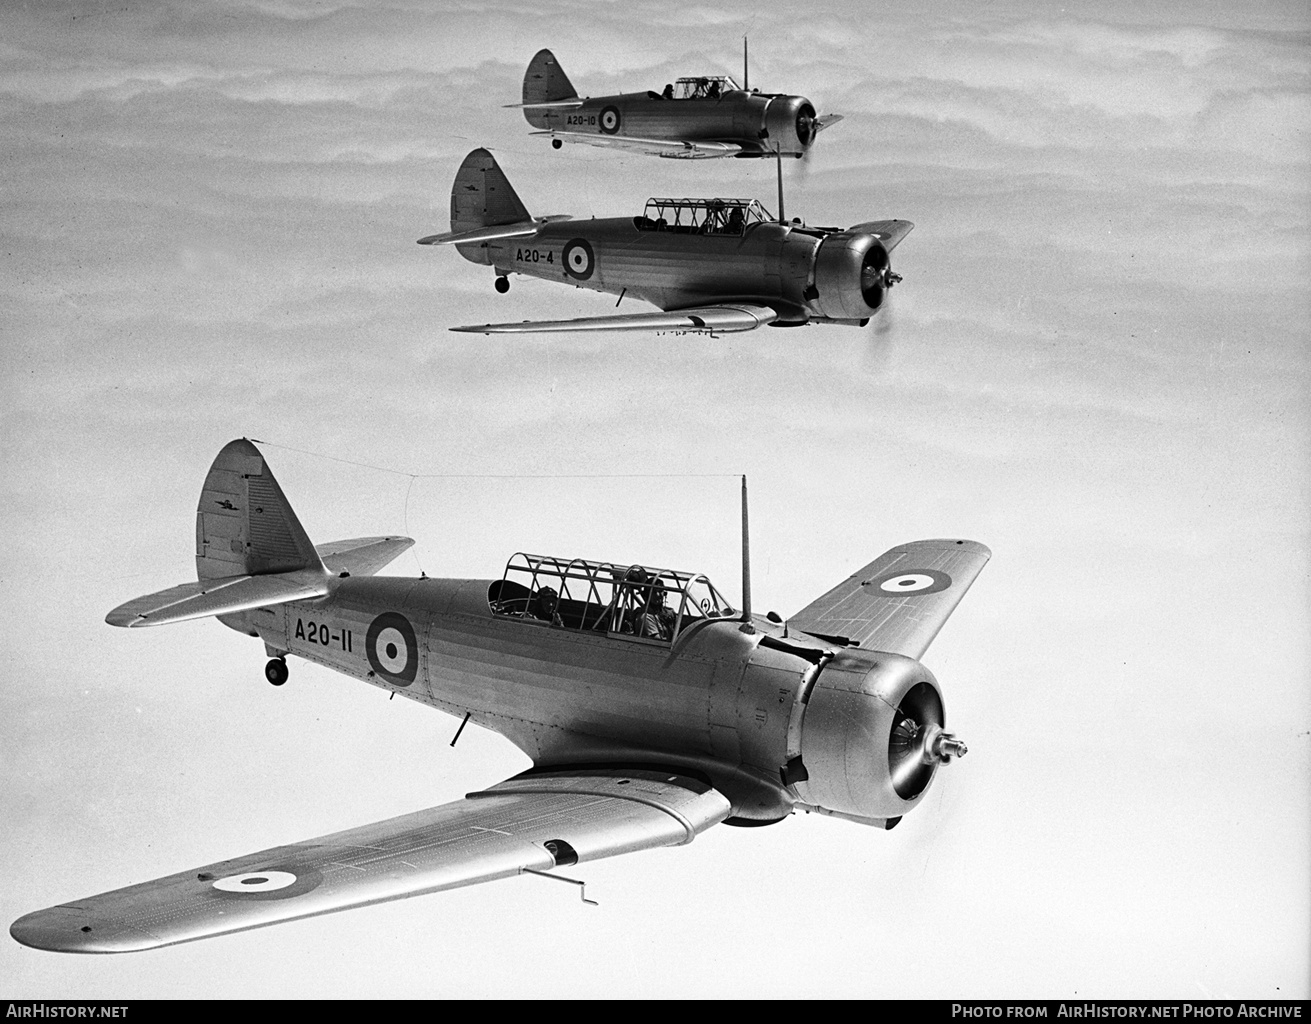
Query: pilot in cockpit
x=546 y=606
x=656 y=620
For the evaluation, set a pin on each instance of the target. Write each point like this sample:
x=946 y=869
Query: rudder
x=545 y=81
x=482 y=196
x=244 y=523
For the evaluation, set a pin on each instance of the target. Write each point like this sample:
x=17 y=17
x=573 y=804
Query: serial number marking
x=580 y=119
x=322 y=634
x=534 y=255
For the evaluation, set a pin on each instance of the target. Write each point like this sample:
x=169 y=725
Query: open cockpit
x=632 y=601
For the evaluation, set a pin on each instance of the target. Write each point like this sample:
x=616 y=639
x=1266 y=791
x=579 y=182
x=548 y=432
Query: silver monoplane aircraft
x=651 y=709
x=693 y=118
x=710 y=264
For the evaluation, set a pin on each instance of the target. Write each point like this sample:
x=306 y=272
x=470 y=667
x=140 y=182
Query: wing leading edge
x=900 y=600
x=536 y=821
x=703 y=319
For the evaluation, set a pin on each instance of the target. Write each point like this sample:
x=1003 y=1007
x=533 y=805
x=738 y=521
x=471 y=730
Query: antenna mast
x=782 y=219
x=746 y=77
x=746 y=557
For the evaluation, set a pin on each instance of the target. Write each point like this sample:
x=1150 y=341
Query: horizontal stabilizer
x=900 y=600
x=704 y=319
x=535 y=822
x=362 y=556
x=219 y=596
x=523 y=229
x=889 y=232
x=546 y=105
x=675 y=149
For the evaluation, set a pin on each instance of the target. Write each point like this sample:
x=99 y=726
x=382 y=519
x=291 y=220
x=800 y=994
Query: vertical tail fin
x=482 y=196
x=244 y=523
x=545 y=81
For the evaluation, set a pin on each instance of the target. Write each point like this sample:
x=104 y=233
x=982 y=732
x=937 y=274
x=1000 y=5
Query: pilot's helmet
x=635 y=574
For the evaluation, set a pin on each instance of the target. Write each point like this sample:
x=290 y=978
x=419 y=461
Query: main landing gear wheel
x=276 y=671
x=502 y=284
x=557 y=143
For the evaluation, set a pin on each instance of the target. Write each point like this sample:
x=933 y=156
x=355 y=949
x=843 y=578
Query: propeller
x=919 y=743
x=876 y=276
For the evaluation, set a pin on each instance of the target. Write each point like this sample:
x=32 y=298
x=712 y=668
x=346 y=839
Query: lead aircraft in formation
x=691 y=119
x=709 y=265
x=650 y=707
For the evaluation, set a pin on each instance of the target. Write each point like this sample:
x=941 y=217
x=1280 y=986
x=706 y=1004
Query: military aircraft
x=693 y=118
x=711 y=265
x=650 y=707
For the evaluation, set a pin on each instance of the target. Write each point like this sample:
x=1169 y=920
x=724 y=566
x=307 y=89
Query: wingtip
x=69 y=930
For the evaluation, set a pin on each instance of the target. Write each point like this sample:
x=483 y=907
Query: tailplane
x=251 y=551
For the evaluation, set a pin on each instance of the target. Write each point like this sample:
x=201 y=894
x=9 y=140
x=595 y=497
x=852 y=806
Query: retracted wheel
x=502 y=284
x=276 y=671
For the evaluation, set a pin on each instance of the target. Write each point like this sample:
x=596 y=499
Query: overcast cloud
x=1097 y=364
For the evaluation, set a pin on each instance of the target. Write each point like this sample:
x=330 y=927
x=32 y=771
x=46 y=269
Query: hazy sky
x=1098 y=364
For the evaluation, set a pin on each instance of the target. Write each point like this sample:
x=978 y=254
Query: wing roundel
x=534 y=822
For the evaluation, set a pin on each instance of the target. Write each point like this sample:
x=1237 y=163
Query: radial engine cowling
x=853 y=273
x=872 y=737
x=789 y=125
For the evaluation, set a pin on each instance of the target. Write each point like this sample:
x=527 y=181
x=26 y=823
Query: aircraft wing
x=219 y=597
x=890 y=232
x=532 y=822
x=677 y=149
x=362 y=556
x=727 y=318
x=900 y=600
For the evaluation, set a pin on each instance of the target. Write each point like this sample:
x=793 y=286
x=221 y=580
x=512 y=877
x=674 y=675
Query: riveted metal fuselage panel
x=768 y=264
x=738 y=117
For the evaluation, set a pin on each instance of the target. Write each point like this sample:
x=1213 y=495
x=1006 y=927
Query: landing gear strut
x=276 y=671
x=502 y=284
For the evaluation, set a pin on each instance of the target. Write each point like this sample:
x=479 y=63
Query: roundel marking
x=579 y=260
x=277 y=883
x=610 y=120
x=392 y=649
x=256 y=881
x=914 y=583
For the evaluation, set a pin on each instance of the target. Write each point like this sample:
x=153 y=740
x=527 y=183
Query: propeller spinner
x=919 y=743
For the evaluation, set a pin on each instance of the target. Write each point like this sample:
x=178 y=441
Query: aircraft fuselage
x=778 y=265
x=759 y=122
x=723 y=699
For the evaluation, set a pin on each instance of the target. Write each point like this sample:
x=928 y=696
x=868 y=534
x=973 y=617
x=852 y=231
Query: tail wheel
x=276 y=671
